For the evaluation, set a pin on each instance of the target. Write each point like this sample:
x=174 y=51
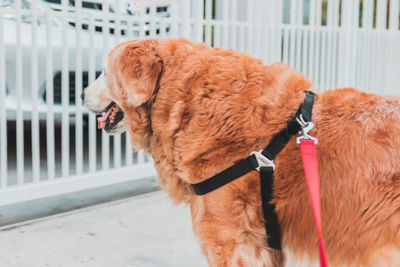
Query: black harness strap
x=263 y=161
x=228 y=175
x=270 y=218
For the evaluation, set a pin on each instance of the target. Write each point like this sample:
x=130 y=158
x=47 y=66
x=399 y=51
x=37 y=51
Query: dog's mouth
x=110 y=118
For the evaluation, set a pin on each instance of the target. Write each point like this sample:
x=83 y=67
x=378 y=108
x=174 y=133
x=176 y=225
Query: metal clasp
x=306 y=127
x=262 y=160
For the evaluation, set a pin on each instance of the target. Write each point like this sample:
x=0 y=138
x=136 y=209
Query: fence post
x=117 y=37
x=298 y=34
x=332 y=24
x=50 y=143
x=233 y=24
x=207 y=22
x=92 y=117
x=276 y=21
x=198 y=10
x=3 y=114
x=19 y=90
x=105 y=139
x=366 y=45
x=65 y=92
x=250 y=24
x=78 y=91
x=348 y=43
x=315 y=25
x=35 y=92
x=392 y=56
x=225 y=23
x=186 y=19
x=381 y=16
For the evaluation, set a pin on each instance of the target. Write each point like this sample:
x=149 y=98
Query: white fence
x=50 y=50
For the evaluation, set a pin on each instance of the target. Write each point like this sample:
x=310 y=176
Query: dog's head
x=131 y=73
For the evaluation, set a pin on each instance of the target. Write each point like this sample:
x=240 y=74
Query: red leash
x=309 y=156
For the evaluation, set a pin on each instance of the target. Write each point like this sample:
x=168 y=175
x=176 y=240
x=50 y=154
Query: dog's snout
x=83 y=95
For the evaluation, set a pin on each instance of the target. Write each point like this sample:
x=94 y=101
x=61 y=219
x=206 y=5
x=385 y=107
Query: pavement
x=144 y=230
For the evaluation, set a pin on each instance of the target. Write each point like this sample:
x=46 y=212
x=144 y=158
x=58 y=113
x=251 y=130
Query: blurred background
x=51 y=49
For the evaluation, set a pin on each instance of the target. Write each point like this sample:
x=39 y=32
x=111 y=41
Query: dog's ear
x=140 y=68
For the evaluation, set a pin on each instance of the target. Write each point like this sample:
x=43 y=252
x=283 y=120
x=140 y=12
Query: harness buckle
x=262 y=160
x=306 y=127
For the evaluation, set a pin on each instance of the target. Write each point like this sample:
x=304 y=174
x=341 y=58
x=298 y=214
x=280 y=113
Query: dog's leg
x=231 y=236
x=293 y=260
x=233 y=254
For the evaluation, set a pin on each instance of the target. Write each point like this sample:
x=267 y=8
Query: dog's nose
x=83 y=95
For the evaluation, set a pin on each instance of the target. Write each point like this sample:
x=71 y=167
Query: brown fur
x=215 y=106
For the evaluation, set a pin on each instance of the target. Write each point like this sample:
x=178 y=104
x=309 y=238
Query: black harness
x=263 y=162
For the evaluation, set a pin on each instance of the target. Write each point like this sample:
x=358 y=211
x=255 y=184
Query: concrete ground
x=145 y=230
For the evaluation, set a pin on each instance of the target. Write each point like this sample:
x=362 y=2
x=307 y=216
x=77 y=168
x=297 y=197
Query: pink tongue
x=101 y=121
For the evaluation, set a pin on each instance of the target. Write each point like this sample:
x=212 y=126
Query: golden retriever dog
x=197 y=109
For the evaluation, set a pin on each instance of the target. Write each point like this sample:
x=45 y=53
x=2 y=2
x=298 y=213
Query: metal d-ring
x=306 y=127
x=262 y=160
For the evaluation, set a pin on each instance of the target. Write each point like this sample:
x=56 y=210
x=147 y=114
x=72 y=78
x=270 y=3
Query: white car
x=131 y=19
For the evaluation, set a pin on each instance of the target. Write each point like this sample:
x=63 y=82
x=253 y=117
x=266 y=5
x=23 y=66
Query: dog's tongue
x=101 y=121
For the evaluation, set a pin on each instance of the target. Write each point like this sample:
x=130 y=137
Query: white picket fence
x=49 y=50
